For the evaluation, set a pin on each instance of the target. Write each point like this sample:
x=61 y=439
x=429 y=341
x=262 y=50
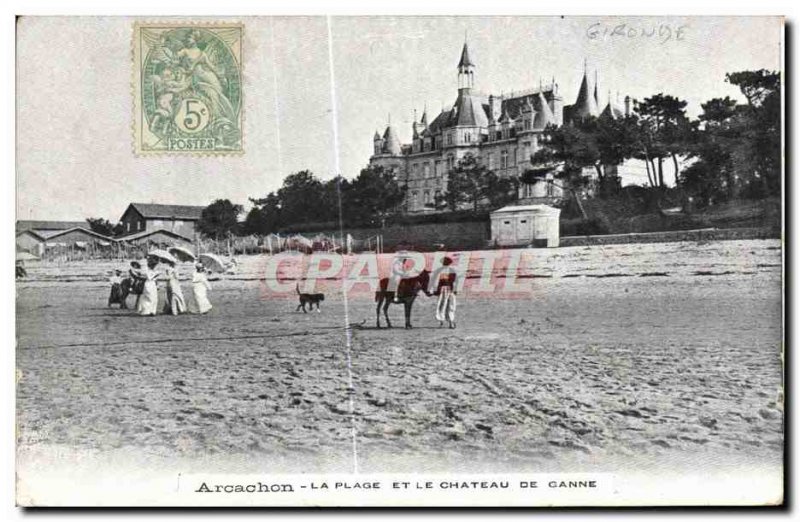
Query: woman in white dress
x=200 y=287
x=175 y=303
x=148 y=301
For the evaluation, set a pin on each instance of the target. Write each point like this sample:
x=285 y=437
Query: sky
x=75 y=109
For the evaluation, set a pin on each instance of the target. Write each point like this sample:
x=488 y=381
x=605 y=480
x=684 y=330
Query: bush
x=583 y=227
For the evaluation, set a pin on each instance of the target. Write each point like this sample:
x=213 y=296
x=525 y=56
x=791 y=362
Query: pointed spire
x=424 y=120
x=465 y=61
x=586 y=104
x=391 y=143
x=544 y=115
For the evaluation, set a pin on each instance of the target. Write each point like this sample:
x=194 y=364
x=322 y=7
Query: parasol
x=182 y=254
x=213 y=262
x=162 y=255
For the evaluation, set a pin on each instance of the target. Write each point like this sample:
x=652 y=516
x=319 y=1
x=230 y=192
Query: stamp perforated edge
x=135 y=93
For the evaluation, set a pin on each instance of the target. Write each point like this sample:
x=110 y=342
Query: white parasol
x=162 y=255
x=182 y=254
x=213 y=262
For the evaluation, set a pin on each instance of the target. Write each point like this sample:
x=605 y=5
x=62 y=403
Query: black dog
x=310 y=299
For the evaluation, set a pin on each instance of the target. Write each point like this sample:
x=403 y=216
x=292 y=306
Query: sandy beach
x=604 y=366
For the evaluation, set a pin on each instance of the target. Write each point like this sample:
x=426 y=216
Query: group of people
x=142 y=282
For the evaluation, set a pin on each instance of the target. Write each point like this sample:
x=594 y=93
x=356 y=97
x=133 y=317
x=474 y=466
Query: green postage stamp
x=187 y=88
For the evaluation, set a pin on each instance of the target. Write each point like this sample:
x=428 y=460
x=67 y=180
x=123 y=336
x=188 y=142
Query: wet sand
x=627 y=357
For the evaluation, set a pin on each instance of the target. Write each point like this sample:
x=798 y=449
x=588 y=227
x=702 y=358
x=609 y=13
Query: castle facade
x=502 y=132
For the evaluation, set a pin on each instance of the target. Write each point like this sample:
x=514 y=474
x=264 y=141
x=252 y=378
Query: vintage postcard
x=461 y=261
x=187 y=88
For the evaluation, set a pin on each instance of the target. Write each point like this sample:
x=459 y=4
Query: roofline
x=31 y=231
x=146 y=233
x=163 y=216
x=74 y=229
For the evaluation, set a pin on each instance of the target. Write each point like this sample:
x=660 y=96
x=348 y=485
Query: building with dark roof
x=48 y=226
x=142 y=217
x=501 y=131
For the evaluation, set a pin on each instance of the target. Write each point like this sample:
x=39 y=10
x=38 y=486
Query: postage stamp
x=187 y=88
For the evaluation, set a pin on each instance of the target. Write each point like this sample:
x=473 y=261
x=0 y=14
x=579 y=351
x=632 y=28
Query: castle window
x=527 y=124
x=449 y=139
x=467 y=137
x=490 y=161
x=413 y=201
x=504 y=159
x=498 y=135
x=437 y=168
x=427 y=144
x=450 y=162
x=526 y=151
x=426 y=169
x=427 y=196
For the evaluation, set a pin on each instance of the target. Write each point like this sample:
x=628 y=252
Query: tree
x=104 y=227
x=738 y=147
x=664 y=131
x=571 y=147
x=470 y=182
x=759 y=159
x=220 y=219
x=372 y=197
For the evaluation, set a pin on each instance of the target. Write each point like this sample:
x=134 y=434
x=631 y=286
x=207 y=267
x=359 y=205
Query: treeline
x=731 y=150
x=369 y=200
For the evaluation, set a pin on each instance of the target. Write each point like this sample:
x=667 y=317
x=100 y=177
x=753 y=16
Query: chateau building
x=502 y=132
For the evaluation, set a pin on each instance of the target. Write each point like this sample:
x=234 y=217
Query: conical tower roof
x=612 y=111
x=465 y=61
x=544 y=115
x=391 y=143
x=585 y=105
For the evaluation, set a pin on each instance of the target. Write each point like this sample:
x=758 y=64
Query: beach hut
x=525 y=225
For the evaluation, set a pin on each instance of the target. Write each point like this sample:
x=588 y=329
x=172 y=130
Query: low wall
x=467 y=235
x=704 y=234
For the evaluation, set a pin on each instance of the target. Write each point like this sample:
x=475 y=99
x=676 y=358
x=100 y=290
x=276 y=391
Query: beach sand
x=629 y=357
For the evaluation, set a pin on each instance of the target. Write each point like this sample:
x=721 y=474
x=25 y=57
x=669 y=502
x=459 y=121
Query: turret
x=466 y=78
x=377 y=143
x=391 y=143
x=586 y=104
x=544 y=115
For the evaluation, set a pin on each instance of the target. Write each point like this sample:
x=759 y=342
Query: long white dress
x=148 y=301
x=200 y=287
x=175 y=303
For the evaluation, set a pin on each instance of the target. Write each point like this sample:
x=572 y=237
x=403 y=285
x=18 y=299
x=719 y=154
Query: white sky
x=74 y=106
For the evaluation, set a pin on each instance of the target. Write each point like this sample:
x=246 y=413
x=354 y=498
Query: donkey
x=406 y=293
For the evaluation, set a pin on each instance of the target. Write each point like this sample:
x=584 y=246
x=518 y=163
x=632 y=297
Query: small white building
x=526 y=225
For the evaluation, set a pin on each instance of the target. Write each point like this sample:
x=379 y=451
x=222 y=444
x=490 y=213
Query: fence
x=229 y=247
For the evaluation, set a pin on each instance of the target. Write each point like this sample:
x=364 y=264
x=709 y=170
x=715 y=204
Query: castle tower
x=466 y=74
x=586 y=104
x=391 y=143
